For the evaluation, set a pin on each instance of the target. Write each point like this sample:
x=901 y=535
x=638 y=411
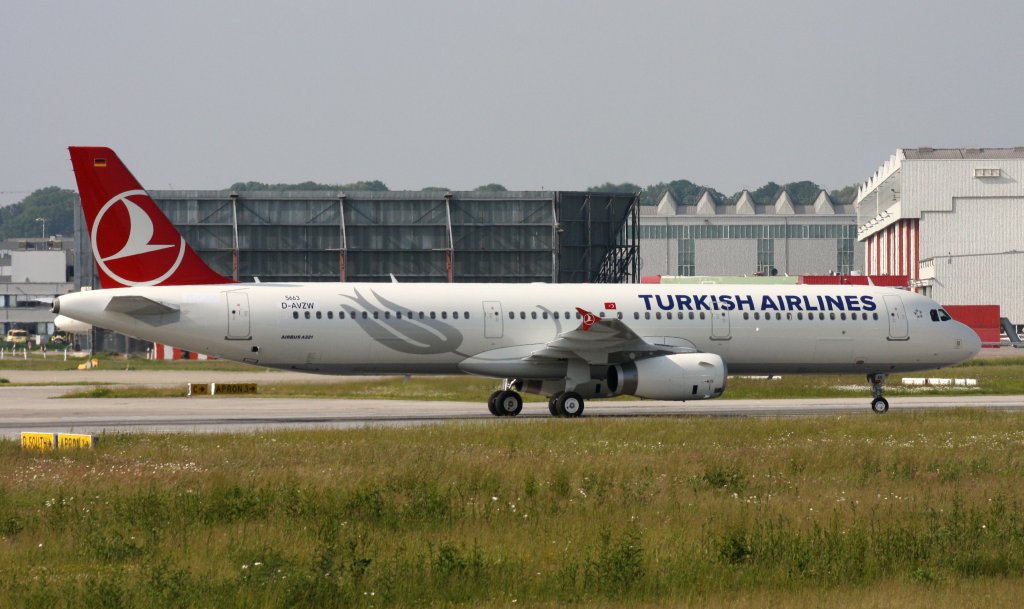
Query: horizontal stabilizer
x=138 y=305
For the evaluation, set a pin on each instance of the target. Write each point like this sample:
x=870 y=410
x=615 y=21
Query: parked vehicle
x=18 y=337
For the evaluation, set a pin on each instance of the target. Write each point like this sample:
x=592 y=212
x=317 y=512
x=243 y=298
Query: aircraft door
x=898 y=327
x=238 y=316
x=720 y=325
x=494 y=326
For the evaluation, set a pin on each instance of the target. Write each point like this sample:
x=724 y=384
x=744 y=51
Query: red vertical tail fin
x=133 y=242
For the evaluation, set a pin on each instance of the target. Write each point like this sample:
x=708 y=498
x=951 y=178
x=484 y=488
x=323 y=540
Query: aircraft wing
x=138 y=305
x=595 y=341
x=604 y=341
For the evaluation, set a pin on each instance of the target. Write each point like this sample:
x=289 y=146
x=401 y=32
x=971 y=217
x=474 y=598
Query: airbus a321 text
x=567 y=342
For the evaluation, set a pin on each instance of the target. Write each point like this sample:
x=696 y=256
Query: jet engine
x=72 y=326
x=681 y=376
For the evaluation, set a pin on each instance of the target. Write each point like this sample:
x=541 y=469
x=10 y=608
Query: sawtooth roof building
x=748 y=237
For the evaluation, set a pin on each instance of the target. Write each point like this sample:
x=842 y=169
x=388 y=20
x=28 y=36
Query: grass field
x=909 y=510
x=55 y=361
x=1000 y=376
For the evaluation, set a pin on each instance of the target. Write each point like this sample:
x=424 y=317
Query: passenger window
x=757 y=315
x=522 y=315
x=295 y=314
x=778 y=316
x=647 y=314
x=433 y=315
x=799 y=316
x=444 y=314
x=307 y=314
x=511 y=315
x=821 y=316
x=330 y=315
x=341 y=315
x=657 y=315
x=874 y=316
x=602 y=314
x=364 y=314
x=746 y=315
x=691 y=315
x=832 y=316
x=619 y=314
x=319 y=315
x=376 y=314
x=398 y=315
x=636 y=315
x=421 y=314
x=465 y=315
x=702 y=316
x=544 y=314
x=789 y=316
x=555 y=315
x=387 y=314
x=455 y=315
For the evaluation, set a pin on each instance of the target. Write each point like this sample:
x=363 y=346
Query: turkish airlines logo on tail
x=127 y=246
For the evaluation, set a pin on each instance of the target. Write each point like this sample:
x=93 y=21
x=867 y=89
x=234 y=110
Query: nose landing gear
x=879 y=404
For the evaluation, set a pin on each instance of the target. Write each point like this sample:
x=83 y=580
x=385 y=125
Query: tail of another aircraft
x=133 y=242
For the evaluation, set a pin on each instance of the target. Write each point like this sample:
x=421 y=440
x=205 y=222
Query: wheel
x=492 y=403
x=569 y=404
x=552 y=407
x=880 y=405
x=509 y=404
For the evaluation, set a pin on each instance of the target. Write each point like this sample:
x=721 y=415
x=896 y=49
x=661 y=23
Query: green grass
x=911 y=509
x=55 y=361
x=1002 y=376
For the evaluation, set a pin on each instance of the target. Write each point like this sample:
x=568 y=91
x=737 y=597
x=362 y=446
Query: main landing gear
x=879 y=404
x=567 y=404
x=507 y=402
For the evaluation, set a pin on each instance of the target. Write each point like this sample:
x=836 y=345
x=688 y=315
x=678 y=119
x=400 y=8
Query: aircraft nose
x=970 y=342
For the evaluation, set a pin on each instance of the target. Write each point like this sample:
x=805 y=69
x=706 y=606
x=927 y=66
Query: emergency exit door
x=238 y=316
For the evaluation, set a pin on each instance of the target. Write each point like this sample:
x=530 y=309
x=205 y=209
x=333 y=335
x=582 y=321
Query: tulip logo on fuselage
x=142 y=258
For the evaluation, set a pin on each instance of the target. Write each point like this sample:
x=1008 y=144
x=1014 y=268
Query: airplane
x=570 y=343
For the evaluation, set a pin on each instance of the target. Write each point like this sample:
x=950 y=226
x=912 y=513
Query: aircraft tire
x=880 y=405
x=509 y=404
x=492 y=403
x=552 y=404
x=569 y=405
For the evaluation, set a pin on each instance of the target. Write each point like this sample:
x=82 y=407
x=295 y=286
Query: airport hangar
x=414 y=236
x=953 y=220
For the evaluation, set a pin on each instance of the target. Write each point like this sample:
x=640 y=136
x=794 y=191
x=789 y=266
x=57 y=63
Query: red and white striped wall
x=169 y=352
x=895 y=250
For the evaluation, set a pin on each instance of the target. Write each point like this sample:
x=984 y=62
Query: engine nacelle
x=681 y=376
x=73 y=326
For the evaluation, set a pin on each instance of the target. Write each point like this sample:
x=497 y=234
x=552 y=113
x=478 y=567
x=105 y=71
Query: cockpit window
x=935 y=315
x=943 y=316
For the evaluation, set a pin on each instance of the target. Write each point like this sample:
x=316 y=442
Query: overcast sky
x=529 y=94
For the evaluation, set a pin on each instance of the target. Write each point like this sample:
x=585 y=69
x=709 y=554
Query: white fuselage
x=418 y=328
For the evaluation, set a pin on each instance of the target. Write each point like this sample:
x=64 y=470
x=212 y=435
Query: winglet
x=133 y=242
x=589 y=319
